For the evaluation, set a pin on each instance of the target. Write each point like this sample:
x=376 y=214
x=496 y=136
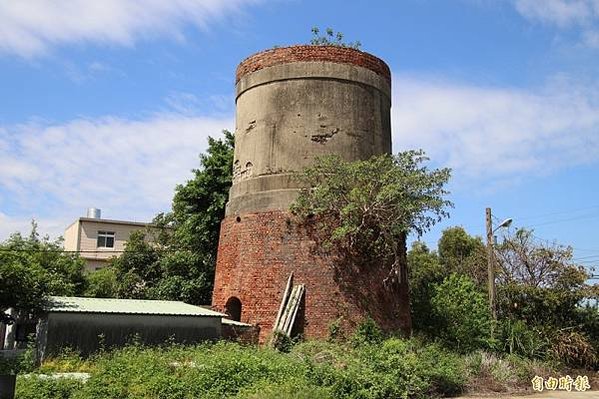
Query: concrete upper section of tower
x=297 y=103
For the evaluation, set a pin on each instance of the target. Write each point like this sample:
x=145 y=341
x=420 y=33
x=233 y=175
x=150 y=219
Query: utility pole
x=491 y=264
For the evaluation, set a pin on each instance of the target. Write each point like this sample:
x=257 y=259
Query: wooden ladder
x=292 y=298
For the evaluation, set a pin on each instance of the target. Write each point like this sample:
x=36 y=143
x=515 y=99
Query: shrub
x=102 y=283
x=332 y=38
x=208 y=371
x=368 y=332
x=516 y=338
x=491 y=372
x=372 y=369
x=574 y=349
x=67 y=361
x=35 y=387
x=282 y=342
x=22 y=362
x=388 y=369
x=293 y=389
x=463 y=314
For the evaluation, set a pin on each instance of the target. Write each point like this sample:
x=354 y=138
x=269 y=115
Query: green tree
x=199 y=204
x=424 y=272
x=464 y=254
x=31 y=268
x=369 y=207
x=547 y=293
x=137 y=268
x=102 y=283
x=539 y=282
x=189 y=259
x=463 y=313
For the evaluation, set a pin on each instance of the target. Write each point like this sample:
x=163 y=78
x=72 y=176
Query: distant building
x=97 y=240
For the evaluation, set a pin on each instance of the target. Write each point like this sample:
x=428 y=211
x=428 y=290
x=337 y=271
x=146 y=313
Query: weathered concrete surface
x=289 y=114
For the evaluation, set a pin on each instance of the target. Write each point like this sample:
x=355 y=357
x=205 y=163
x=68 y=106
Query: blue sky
x=108 y=104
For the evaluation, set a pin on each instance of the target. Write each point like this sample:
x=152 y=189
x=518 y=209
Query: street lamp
x=506 y=223
x=491 y=258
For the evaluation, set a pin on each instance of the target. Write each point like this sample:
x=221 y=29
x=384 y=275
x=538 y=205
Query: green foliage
x=368 y=332
x=516 y=338
x=282 y=342
x=394 y=368
x=293 y=389
x=21 y=363
x=540 y=285
x=368 y=207
x=137 y=269
x=220 y=370
x=463 y=313
x=464 y=254
x=391 y=368
x=458 y=253
x=335 y=331
x=67 y=361
x=540 y=291
x=331 y=38
x=102 y=283
x=587 y=318
x=385 y=195
x=35 y=387
x=198 y=207
x=424 y=272
x=386 y=369
x=32 y=268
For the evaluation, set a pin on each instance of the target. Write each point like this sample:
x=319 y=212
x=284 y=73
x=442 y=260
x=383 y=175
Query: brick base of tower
x=258 y=251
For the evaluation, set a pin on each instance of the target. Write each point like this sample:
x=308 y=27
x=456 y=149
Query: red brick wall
x=255 y=257
x=241 y=334
x=336 y=54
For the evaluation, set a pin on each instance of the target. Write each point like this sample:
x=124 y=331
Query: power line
x=557 y=213
x=586 y=257
x=554 y=242
x=586 y=217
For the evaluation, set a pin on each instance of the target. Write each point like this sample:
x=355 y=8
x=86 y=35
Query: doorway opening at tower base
x=233 y=308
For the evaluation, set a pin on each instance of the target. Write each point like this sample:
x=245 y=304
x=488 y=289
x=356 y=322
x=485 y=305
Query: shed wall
x=82 y=331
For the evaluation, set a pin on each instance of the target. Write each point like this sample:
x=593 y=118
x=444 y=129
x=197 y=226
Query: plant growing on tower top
x=331 y=38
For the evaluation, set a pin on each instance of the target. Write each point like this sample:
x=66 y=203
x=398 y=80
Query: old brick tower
x=293 y=104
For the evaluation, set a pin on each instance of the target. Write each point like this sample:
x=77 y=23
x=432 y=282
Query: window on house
x=106 y=239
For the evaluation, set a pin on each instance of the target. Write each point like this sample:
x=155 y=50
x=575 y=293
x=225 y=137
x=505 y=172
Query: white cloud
x=497 y=133
x=52 y=227
x=31 y=27
x=582 y=14
x=560 y=12
x=129 y=168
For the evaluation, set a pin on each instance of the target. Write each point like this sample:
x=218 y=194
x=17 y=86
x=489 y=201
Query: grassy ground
x=392 y=368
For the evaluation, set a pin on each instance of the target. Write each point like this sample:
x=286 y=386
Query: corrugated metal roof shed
x=126 y=306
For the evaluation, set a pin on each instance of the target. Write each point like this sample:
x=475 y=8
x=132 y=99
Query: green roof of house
x=71 y=304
